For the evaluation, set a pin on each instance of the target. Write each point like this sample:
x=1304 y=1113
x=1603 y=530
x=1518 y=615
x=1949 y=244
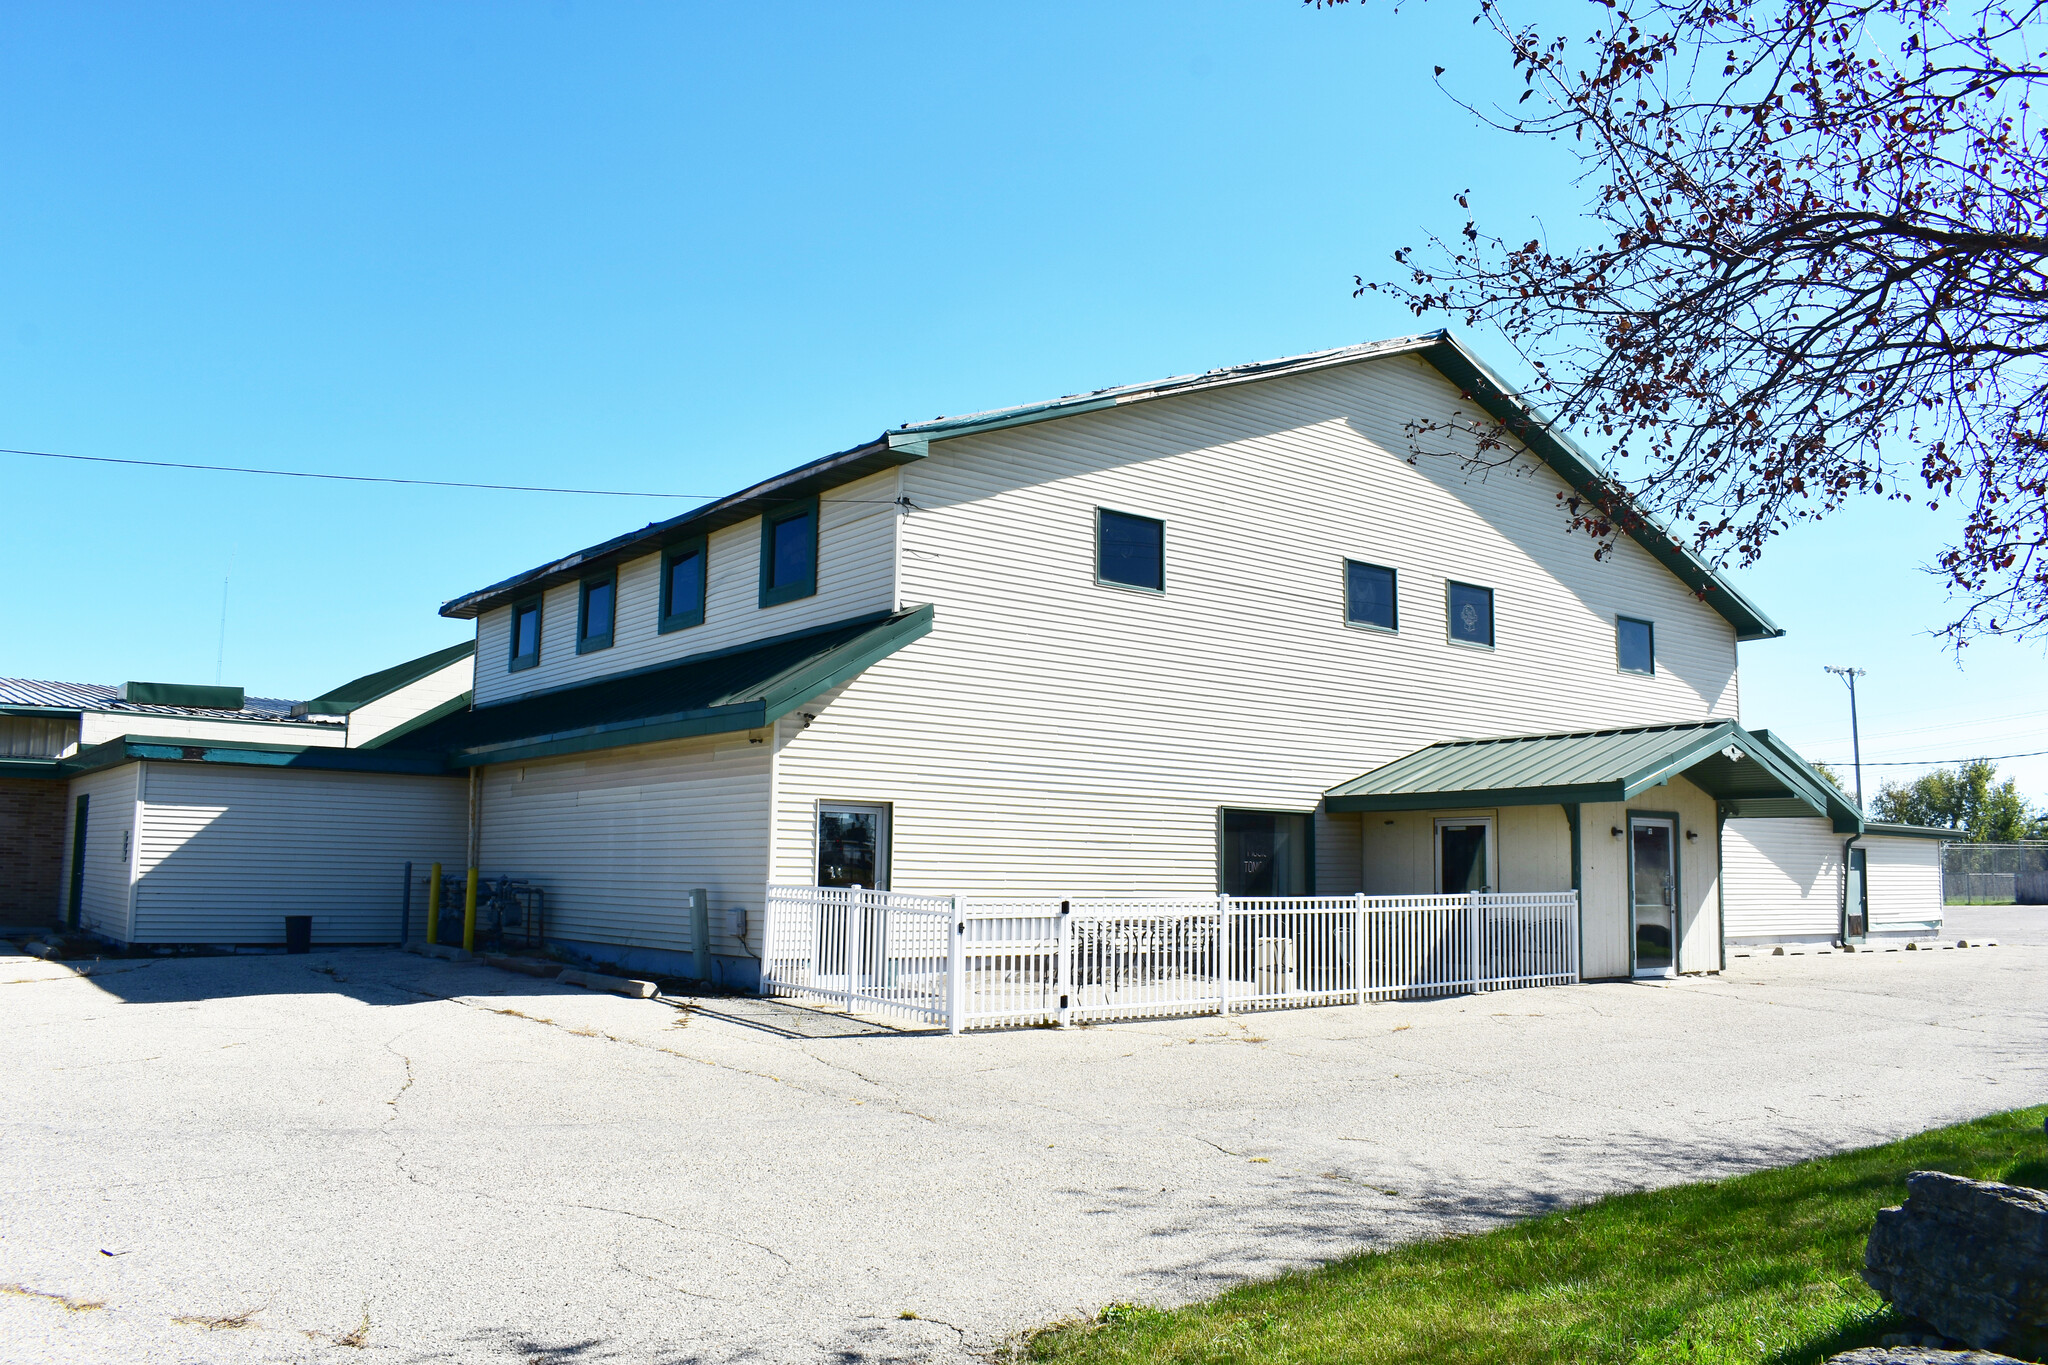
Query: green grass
x=1760 y=1268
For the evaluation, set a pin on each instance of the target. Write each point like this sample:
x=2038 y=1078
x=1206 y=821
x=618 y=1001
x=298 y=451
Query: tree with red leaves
x=1818 y=231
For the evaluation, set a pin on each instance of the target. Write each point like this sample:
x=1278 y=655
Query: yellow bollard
x=469 y=915
x=434 y=905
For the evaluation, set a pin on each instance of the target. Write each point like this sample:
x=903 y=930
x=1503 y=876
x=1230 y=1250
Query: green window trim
x=773 y=593
x=683 y=615
x=1393 y=626
x=1620 y=660
x=1103 y=582
x=1492 y=640
x=586 y=642
x=515 y=660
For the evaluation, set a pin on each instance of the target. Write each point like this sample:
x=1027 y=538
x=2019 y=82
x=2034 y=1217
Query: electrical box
x=736 y=922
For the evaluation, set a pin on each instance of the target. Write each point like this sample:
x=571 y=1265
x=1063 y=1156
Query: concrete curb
x=440 y=950
x=617 y=985
x=524 y=965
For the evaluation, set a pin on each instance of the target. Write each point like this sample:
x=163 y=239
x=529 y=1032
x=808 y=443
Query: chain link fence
x=1995 y=874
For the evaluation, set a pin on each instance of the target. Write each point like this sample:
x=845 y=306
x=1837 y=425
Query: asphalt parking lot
x=363 y=1154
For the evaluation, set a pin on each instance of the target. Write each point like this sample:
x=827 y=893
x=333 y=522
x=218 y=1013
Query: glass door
x=1858 y=904
x=1464 y=856
x=853 y=846
x=1653 y=883
x=853 y=850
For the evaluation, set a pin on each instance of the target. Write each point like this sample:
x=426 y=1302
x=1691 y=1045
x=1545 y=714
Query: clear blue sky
x=678 y=248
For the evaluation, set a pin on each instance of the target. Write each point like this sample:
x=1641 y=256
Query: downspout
x=1571 y=817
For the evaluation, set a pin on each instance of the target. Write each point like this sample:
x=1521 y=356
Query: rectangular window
x=789 y=553
x=1266 y=853
x=1130 y=551
x=1471 y=614
x=525 y=635
x=595 y=612
x=853 y=846
x=1635 y=645
x=1369 y=596
x=682 y=585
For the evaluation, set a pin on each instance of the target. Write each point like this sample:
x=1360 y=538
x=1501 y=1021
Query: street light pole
x=1849 y=676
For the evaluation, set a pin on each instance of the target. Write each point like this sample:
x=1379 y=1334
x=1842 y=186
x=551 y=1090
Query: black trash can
x=298 y=933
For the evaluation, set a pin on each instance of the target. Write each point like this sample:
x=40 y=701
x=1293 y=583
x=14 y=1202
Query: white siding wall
x=856 y=546
x=228 y=852
x=618 y=838
x=368 y=721
x=97 y=727
x=1052 y=734
x=1784 y=880
x=1905 y=884
x=109 y=849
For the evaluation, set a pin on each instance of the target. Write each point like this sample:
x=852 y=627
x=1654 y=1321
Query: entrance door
x=1653 y=882
x=1464 y=856
x=77 y=906
x=1859 y=904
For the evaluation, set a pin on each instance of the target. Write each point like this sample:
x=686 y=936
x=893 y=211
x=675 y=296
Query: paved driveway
x=250 y=1158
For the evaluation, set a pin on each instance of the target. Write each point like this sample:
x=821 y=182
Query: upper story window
x=1130 y=552
x=525 y=634
x=1369 y=598
x=594 y=613
x=682 y=585
x=789 y=553
x=1635 y=645
x=1471 y=612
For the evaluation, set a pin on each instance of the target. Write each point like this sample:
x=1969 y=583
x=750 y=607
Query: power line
x=1937 y=762
x=357 y=478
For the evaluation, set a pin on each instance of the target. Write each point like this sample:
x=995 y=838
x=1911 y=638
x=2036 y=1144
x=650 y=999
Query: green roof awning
x=362 y=691
x=1719 y=757
x=743 y=688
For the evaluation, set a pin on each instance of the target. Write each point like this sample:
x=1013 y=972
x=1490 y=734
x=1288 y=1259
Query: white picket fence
x=996 y=961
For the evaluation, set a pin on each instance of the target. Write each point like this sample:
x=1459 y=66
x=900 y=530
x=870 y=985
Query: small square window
x=1635 y=645
x=594 y=613
x=1369 y=596
x=525 y=635
x=1130 y=551
x=1471 y=614
x=682 y=586
x=789 y=553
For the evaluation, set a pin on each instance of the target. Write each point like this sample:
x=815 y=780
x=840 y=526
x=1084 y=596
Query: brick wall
x=31 y=848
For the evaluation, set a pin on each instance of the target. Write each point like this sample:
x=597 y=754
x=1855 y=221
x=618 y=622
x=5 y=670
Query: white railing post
x=848 y=938
x=1472 y=909
x=1358 y=944
x=765 y=985
x=956 y=967
x=1226 y=953
x=1063 y=963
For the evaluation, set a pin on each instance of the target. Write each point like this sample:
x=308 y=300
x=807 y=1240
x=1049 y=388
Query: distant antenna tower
x=220 y=655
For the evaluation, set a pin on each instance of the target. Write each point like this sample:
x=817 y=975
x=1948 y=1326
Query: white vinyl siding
x=856 y=541
x=38 y=736
x=1049 y=735
x=1784 y=880
x=227 y=852
x=1905 y=884
x=97 y=727
x=414 y=699
x=107 y=901
x=618 y=838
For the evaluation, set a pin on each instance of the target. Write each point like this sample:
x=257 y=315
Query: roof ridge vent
x=196 y=695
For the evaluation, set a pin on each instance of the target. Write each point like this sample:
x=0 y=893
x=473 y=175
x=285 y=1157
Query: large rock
x=1968 y=1257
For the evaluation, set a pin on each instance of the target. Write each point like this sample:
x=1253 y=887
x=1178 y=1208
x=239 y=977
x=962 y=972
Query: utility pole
x=1849 y=676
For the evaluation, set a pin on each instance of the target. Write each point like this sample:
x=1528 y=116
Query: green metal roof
x=325 y=757
x=1918 y=832
x=742 y=688
x=1841 y=811
x=1586 y=765
x=368 y=688
x=912 y=441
